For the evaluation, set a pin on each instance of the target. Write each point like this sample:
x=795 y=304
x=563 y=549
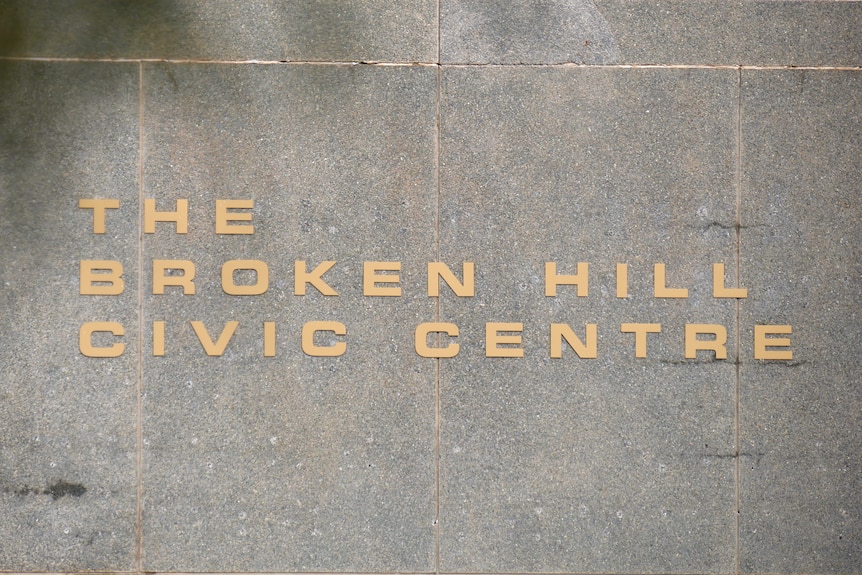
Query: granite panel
x=525 y=32
x=800 y=418
x=67 y=422
x=612 y=464
x=352 y=30
x=601 y=32
x=291 y=462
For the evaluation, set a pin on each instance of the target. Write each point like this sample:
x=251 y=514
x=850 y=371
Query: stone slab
x=292 y=462
x=665 y=32
x=801 y=477
x=67 y=422
x=353 y=30
x=613 y=464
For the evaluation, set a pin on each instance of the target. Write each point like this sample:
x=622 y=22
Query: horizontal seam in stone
x=429 y=64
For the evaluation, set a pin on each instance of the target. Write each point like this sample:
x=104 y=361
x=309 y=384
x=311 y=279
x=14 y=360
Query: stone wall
x=431 y=287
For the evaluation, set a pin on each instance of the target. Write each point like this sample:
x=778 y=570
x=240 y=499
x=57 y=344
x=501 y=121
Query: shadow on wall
x=207 y=30
x=11 y=34
x=48 y=111
x=90 y=28
x=75 y=29
x=42 y=104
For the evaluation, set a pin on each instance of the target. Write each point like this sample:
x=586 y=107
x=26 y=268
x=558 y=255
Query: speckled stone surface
x=755 y=33
x=67 y=422
x=801 y=478
x=292 y=462
x=613 y=464
x=603 y=32
x=523 y=32
x=507 y=135
x=713 y=32
x=347 y=30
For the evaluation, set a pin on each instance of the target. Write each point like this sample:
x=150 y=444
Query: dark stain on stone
x=687 y=361
x=717 y=224
x=59 y=489
x=27 y=491
x=723 y=226
x=172 y=78
x=741 y=455
x=62 y=488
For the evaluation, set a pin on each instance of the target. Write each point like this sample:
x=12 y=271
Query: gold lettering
x=85 y=339
x=261 y=271
x=308 y=345
x=420 y=339
x=217 y=348
x=438 y=270
x=89 y=283
x=692 y=344
x=494 y=338
x=269 y=339
x=661 y=289
x=158 y=338
x=622 y=280
x=223 y=217
x=761 y=342
x=99 y=208
x=370 y=279
x=162 y=280
x=301 y=277
x=580 y=279
x=560 y=331
x=180 y=216
x=640 y=330
x=718 y=289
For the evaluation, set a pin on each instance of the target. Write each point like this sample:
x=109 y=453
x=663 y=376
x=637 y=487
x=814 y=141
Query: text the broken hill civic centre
x=331 y=338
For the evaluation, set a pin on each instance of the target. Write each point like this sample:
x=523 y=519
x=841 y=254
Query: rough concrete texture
x=314 y=463
x=800 y=436
x=293 y=30
x=714 y=32
x=604 y=32
x=67 y=422
x=503 y=135
x=609 y=464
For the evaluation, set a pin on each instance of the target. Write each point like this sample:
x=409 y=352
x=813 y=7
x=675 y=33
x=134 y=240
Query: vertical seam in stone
x=736 y=471
x=439 y=33
x=437 y=120
x=139 y=513
x=437 y=318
